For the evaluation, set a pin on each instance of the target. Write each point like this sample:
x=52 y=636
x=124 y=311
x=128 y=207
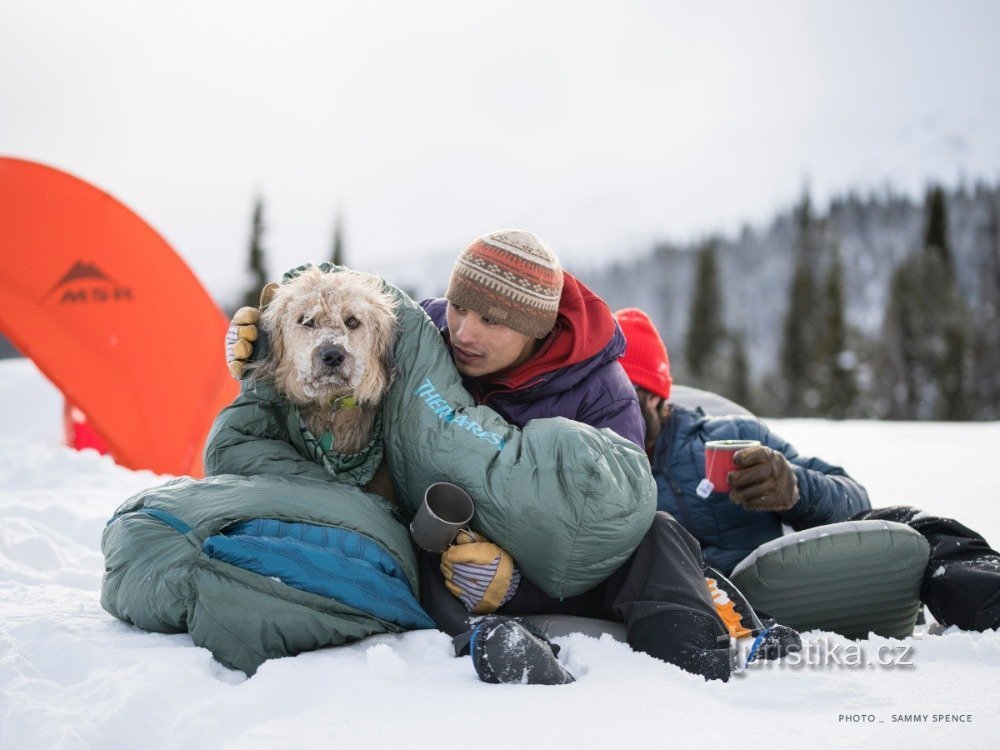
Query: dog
x=331 y=341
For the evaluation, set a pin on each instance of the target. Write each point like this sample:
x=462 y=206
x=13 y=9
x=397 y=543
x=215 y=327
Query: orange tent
x=112 y=316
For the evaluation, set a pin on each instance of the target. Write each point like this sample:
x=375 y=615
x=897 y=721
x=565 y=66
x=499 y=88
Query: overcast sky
x=602 y=127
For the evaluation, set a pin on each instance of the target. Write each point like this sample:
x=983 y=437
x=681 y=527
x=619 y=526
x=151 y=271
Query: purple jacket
x=575 y=374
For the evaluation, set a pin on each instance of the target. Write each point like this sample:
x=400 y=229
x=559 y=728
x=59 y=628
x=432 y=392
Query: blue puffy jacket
x=726 y=531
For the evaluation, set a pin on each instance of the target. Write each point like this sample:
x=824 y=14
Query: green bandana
x=354 y=468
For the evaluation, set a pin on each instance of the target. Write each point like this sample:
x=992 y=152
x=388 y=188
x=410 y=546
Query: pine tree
x=256 y=265
x=899 y=354
x=926 y=331
x=706 y=330
x=987 y=349
x=799 y=330
x=936 y=232
x=953 y=374
x=952 y=324
x=738 y=387
x=337 y=255
x=839 y=387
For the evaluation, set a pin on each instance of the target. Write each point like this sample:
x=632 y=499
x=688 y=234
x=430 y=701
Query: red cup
x=719 y=461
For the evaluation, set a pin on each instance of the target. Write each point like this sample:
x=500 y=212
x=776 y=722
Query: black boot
x=771 y=640
x=507 y=651
x=774 y=642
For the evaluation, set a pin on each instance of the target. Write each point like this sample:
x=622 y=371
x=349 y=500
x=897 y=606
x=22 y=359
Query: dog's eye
x=307 y=322
x=352 y=322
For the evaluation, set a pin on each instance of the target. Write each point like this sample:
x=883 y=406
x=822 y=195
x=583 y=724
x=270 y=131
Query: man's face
x=654 y=410
x=482 y=347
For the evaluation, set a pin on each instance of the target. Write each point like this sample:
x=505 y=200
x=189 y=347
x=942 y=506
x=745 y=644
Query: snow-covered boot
x=774 y=642
x=508 y=651
x=770 y=640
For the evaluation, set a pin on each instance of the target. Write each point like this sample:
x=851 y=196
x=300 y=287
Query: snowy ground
x=71 y=676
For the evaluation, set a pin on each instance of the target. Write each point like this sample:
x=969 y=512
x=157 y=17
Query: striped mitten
x=481 y=574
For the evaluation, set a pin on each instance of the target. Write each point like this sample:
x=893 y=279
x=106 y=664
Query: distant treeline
x=877 y=308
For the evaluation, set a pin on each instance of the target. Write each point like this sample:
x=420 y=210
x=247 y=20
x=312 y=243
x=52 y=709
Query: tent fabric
x=80 y=433
x=112 y=316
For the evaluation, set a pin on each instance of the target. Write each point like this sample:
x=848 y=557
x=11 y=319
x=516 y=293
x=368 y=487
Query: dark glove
x=242 y=332
x=764 y=481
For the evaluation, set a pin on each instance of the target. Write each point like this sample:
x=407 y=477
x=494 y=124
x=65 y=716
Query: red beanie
x=645 y=360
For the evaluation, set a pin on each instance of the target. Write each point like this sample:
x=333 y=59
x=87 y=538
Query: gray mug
x=446 y=510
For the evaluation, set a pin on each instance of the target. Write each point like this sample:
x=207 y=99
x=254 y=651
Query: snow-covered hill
x=71 y=676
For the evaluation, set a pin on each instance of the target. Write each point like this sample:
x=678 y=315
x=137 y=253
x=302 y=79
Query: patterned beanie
x=512 y=278
x=645 y=360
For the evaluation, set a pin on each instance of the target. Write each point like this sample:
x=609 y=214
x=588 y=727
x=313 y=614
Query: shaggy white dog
x=332 y=337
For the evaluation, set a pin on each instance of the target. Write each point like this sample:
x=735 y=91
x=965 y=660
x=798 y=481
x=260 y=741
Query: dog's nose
x=332 y=356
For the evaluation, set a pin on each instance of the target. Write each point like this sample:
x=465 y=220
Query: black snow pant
x=961 y=584
x=659 y=593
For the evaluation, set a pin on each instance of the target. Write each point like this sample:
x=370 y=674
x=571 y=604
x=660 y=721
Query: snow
x=71 y=676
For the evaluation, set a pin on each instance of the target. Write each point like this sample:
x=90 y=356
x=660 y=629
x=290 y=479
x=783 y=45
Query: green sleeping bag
x=163 y=575
x=569 y=502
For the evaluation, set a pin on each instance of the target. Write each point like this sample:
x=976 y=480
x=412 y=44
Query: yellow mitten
x=479 y=573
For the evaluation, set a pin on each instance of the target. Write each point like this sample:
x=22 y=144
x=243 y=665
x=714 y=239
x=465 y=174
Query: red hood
x=584 y=326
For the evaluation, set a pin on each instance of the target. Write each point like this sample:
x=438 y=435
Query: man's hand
x=764 y=481
x=479 y=573
x=242 y=332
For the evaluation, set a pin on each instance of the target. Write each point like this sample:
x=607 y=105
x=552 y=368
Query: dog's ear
x=267 y=294
x=385 y=332
x=272 y=322
x=388 y=330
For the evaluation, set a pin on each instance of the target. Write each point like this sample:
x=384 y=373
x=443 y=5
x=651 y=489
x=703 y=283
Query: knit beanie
x=512 y=278
x=645 y=360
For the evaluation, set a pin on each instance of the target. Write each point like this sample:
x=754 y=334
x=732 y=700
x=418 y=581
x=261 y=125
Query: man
x=531 y=341
x=775 y=485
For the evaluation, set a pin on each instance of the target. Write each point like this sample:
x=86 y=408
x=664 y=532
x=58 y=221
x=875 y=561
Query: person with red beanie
x=647 y=365
x=775 y=485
